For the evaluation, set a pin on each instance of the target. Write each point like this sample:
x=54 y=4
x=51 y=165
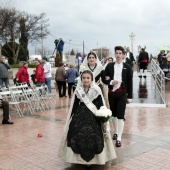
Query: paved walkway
x=145 y=143
x=145 y=92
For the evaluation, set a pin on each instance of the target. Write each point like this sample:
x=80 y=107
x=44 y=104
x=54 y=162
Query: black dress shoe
x=144 y=76
x=140 y=76
x=7 y=122
x=118 y=143
x=88 y=166
x=114 y=137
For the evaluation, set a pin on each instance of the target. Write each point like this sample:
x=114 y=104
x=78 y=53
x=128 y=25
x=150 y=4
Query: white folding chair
x=19 y=95
x=44 y=99
x=49 y=96
x=34 y=99
x=31 y=98
x=8 y=96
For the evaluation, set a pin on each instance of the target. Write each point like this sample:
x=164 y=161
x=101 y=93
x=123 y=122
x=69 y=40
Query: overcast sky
x=104 y=23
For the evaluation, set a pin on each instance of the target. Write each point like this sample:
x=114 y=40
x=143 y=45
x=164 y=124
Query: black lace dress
x=85 y=135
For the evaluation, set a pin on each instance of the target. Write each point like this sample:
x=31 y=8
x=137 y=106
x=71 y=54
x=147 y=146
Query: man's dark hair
x=119 y=48
x=124 y=52
x=44 y=58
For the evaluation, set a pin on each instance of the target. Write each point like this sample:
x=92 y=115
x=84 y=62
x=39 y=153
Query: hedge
x=17 y=65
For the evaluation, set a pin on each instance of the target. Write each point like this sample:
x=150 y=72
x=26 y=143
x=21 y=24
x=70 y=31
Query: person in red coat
x=22 y=75
x=39 y=73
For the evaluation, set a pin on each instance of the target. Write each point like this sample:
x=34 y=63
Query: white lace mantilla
x=92 y=94
x=95 y=72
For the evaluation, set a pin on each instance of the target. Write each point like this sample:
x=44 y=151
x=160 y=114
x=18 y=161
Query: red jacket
x=22 y=75
x=39 y=75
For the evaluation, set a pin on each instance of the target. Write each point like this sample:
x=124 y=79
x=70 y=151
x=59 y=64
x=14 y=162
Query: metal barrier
x=159 y=79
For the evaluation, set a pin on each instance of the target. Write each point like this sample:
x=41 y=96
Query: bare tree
x=33 y=28
x=9 y=30
x=35 y=25
x=22 y=28
x=44 y=52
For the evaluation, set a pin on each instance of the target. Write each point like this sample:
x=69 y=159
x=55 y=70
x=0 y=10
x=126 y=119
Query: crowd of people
x=95 y=88
x=82 y=126
x=83 y=141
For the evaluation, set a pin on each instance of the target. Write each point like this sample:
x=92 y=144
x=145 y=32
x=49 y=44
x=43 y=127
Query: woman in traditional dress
x=83 y=141
x=92 y=63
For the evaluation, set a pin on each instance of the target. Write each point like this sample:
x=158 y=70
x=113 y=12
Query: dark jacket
x=71 y=75
x=160 y=58
x=128 y=61
x=131 y=57
x=4 y=70
x=33 y=78
x=59 y=44
x=60 y=74
x=165 y=67
x=126 y=77
x=143 y=56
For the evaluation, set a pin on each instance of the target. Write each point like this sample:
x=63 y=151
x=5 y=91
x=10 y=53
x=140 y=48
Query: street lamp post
x=69 y=48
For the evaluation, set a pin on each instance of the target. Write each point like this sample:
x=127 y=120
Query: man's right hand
x=114 y=82
x=107 y=78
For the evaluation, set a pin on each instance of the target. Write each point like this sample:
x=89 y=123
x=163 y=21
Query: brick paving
x=145 y=141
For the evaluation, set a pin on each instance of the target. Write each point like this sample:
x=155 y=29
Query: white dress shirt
x=117 y=75
x=118 y=71
x=47 y=69
x=128 y=55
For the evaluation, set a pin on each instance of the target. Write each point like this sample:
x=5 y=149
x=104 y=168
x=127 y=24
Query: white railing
x=159 y=79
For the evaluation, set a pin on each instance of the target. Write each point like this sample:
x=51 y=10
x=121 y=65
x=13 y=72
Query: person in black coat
x=118 y=77
x=130 y=56
x=161 y=56
x=143 y=61
x=126 y=59
x=5 y=106
x=59 y=43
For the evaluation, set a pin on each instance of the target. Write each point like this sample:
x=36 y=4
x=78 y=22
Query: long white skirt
x=106 y=155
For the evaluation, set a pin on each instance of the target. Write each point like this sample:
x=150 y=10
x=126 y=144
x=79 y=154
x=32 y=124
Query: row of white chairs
x=23 y=98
